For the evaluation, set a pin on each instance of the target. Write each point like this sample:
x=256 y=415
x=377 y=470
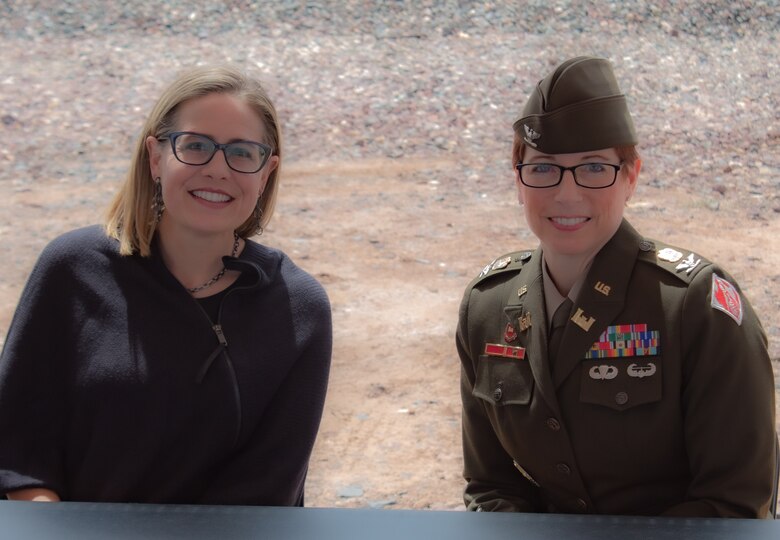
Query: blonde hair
x=130 y=218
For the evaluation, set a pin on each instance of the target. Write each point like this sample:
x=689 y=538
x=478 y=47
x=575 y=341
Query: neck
x=565 y=270
x=195 y=258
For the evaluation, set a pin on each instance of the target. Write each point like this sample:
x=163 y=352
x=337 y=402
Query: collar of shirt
x=552 y=296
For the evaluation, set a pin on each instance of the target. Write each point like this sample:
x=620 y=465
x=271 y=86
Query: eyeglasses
x=196 y=149
x=587 y=175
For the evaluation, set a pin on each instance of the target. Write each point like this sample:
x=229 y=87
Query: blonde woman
x=165 y=357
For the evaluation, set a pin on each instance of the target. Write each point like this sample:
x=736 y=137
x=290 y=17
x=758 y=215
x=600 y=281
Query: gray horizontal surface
x=23 y=520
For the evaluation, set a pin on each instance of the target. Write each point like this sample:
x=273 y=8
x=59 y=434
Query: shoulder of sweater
x=280 y=267
x=79 y=245
x=682 y=263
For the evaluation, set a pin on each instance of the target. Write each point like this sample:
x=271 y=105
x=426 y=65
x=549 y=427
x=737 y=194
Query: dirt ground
x=395 y=243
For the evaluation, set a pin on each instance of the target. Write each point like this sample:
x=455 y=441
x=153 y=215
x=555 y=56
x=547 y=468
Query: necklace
x=219 y=274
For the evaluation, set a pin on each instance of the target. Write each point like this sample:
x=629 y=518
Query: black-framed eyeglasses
x=587 y=175
x=197 y=149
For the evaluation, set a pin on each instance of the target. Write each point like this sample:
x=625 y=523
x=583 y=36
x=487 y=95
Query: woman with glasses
x=604 y=372
x=166 y=357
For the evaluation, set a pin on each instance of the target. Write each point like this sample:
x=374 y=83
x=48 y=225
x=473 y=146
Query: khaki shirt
x=677 y=420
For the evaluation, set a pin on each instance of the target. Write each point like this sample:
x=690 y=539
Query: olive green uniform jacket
x=685 y=426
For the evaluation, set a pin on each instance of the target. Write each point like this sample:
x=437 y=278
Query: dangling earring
x=158 y=205
x=257 y=216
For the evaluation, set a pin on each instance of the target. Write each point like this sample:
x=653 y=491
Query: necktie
x=559 y=320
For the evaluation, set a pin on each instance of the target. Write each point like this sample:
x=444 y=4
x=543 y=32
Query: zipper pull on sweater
x=220 y=334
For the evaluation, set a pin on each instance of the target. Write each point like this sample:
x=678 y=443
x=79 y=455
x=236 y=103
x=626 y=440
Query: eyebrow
x=546 y=157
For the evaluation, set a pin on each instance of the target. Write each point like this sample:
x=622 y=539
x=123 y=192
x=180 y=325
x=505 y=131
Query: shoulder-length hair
x=130 y=218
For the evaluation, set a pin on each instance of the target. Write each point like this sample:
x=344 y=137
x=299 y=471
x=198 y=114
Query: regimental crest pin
x=726 y=298
x=510 y=334
x=669 y=255
x=503 y=262
x=530 y=135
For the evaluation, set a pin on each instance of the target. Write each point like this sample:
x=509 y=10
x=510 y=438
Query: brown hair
x=130 y=217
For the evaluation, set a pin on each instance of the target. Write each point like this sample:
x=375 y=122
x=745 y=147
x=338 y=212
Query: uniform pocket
x=621 y=383
x=503 y=381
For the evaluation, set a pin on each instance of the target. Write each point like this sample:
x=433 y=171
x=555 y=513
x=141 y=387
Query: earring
x=158 y=205
x=257 y=216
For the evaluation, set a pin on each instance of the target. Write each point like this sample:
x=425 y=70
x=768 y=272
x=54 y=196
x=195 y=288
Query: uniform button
x=621 y=398
x=581 y=505
x=553 y=424
x=563 y=468
x=497 y=393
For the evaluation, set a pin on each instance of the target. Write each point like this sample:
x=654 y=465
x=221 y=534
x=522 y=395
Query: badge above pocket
x=623 y=368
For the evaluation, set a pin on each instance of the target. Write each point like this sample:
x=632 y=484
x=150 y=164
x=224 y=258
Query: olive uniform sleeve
x=492 y=482
x=728 y=401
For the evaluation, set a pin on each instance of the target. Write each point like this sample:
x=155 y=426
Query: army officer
x=604 y=372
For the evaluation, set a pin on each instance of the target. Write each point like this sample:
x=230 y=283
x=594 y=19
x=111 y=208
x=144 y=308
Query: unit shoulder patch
x=726 y=298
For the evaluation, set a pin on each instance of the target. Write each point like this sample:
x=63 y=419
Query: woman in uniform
x=604 y=372
x=165 y=357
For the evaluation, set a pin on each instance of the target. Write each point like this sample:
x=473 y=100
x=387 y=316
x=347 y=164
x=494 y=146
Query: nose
x=217 y=166
x=568 y=190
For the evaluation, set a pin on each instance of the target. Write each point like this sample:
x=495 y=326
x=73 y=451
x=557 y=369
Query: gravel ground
x=357 y=79
x=397 y=119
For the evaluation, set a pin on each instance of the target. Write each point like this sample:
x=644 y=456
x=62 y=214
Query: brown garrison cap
x=577 y=108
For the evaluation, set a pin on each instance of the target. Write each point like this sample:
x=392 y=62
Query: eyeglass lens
x=193 y=149
x=592 y=175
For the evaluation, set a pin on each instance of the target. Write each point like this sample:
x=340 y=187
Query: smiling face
x=210 y=198
x=572 y=221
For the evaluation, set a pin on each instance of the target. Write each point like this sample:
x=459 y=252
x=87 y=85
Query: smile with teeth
x=211 y=196
x=568 y=221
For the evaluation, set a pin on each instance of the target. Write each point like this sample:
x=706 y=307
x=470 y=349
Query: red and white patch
x=726 y=298
x=510 y=334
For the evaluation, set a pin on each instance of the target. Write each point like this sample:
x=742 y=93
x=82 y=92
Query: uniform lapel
x=526 y=304
x=600 y=300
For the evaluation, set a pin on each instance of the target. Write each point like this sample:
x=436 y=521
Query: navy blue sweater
x=115 y=385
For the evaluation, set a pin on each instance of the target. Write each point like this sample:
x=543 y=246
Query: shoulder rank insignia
x=509 y=262
x=726 y=298
x=672 y=260
x=688 y=263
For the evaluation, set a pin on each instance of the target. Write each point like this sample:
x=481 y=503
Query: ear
x=155 y=155
x=268 y=168
x=519 y=186
x=632 y=175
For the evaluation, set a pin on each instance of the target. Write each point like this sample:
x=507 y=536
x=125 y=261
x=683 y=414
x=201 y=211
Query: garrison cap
x=577 y=108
